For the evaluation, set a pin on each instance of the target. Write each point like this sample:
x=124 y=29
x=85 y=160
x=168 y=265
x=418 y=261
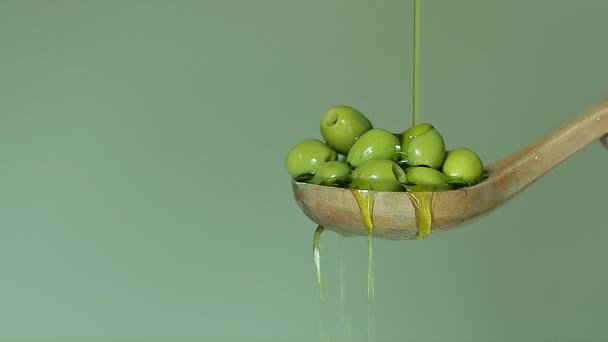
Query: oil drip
x=422 y=202
x=316 y=252
x=365 y=201
x=316 y=258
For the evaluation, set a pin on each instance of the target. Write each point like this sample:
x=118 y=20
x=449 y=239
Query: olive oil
x=416 y=64
x=316 y=258
x=422 y=202
x=365 y=200
x=316 y=252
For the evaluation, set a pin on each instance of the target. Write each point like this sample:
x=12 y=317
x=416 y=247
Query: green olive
x=341 y=126
x=425 y=175
x=307 y=156
x=463 y=165
x=379 y=175
x=375 y=144
x=422 y=145
x=329 y=172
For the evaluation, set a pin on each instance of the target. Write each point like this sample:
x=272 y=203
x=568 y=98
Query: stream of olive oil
x=365 y=201
x=320 y=280
x=421 y=201
x=416 y=64
x=316 y=258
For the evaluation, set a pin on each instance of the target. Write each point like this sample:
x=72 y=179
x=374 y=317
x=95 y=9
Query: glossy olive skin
x=422 y=145
x=341 y=126
x=308 y=156
x=425 y=176
x=379 y=175
x=463 y=165
x=331 y=171
x=375 y=144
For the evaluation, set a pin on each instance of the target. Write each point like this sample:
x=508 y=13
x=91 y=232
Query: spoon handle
x=516 y=172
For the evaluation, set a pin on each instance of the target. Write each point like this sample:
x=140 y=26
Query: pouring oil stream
x=365 y=200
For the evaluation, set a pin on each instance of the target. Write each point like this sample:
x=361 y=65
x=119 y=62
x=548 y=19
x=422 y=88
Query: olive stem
x=416 y=52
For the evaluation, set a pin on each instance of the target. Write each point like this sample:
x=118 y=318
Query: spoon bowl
x=394 y=216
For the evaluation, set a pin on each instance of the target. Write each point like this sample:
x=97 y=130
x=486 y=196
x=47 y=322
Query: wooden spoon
x=394 y=215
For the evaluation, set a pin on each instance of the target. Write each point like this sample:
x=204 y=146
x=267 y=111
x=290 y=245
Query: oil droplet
x=365 y=200
x=422 y=208
x=316 y=258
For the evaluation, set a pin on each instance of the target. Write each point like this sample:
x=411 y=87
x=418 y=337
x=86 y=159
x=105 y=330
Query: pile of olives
x=358 y=156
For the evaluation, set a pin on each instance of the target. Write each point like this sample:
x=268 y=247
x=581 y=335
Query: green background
x=143 y=193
